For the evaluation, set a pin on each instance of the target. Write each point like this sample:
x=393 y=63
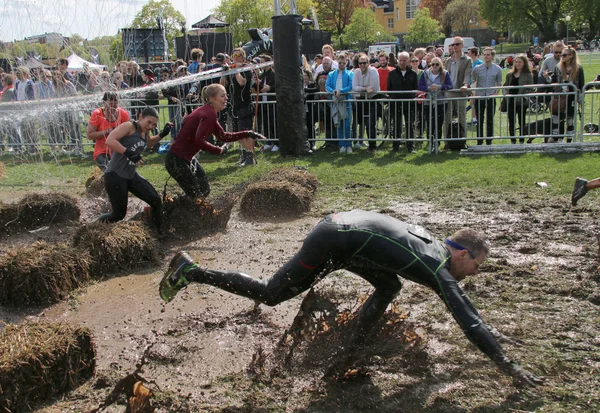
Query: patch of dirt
x=211 y=351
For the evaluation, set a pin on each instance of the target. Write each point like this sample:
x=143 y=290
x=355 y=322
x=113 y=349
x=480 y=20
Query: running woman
x=197 y=127
x=127 y=143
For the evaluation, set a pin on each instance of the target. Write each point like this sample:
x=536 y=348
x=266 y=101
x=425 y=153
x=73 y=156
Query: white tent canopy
x=76 y=64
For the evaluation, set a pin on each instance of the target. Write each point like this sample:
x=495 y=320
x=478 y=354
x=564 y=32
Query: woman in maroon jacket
x=196 y=128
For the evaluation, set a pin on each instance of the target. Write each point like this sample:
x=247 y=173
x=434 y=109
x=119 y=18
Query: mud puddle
x=211 y=351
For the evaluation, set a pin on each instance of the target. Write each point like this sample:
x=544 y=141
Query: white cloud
x=88 y=18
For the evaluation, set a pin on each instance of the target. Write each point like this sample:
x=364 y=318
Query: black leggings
x=118 y=188
x=325 y=250
x=189 y=175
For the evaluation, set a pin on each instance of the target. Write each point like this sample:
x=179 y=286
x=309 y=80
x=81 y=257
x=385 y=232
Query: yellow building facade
x=397 y=15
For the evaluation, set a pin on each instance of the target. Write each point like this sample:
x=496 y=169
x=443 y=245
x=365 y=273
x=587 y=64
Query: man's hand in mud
x=520 y=375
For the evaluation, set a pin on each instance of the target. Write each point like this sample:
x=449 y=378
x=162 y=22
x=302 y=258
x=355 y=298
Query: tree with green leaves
x=242 y=15
x=335 y=15
x=459 y=14
x=364 y=29
x=423 y=29
x=148 y=15
x=436 y=8
x=512 y=14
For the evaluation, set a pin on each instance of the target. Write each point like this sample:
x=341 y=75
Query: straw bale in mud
x=94 y=185
x=116 y=247
x=37 y=210
x=41 y=273
x=41 y=360
x=299 y=176
x=278 y=199
x=2 y=170
x=185 y=215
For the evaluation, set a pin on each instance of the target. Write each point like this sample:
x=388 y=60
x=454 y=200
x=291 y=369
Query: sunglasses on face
x=435 y=64
x=414 y=61
x=557 y=52
x=363 y=63
x=456 y=44
x=461 y=248
x=566 y=54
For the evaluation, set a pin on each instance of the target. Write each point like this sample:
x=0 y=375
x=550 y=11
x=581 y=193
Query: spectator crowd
x=352 y=100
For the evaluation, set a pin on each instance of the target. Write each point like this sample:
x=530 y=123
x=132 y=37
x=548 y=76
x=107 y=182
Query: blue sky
x=89 y=18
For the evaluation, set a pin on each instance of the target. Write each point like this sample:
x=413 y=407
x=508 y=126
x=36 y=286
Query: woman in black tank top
x=127 y=142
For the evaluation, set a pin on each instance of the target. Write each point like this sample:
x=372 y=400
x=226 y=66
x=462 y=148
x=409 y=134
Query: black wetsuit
x=379 y=249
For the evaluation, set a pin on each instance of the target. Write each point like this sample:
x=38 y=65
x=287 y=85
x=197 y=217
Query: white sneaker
x=364 y=145
x=275 y=148
x=349 y=149
x=342 y=149
x=357 y=145
x=267 y=147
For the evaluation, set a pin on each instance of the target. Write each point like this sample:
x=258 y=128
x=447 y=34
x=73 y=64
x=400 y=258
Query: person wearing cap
x=317 y=62
x=102 y=122
x=383 y=251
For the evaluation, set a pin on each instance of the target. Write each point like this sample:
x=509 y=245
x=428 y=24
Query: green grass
x=419 y=176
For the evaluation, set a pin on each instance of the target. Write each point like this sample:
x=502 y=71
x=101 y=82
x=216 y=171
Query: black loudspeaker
x=210 y=43
x=313 y=41
x=289 y=85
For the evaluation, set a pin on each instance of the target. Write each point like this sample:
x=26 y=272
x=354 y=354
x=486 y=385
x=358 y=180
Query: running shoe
x=579 y=190
x=175 y=277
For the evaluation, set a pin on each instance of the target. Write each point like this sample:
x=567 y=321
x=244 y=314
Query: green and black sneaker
x=175 y=277
x=579 y=190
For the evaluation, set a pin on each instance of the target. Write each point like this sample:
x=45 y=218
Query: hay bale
x=279 y=199
x=41 y=360
x=41 y=273
x=37 y=210
x=184 y=215
x=116 y=247
x=94 y=185
x=300 y=176
x=2 y=170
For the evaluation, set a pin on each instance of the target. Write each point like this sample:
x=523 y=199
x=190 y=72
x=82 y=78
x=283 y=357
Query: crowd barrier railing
x=590 y=110
x=393 y=117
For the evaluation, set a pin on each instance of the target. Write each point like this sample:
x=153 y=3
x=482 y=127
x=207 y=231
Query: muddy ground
x=211 y=351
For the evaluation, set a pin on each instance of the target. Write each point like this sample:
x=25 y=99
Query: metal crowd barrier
x=590 y=110
x=373 y=122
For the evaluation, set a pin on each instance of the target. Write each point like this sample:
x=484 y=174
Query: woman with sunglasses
x=435 y=81
x=570 y=72
x=101 y=124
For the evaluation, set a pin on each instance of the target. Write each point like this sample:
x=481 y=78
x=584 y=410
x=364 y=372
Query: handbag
x=503 y=105
x=558 y=104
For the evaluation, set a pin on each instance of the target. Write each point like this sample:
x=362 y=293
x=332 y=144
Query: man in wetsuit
x=380 y=249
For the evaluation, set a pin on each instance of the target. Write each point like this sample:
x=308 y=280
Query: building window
x=373 y=9
x=411 y=8
x=398 y=14
x=390 y=23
